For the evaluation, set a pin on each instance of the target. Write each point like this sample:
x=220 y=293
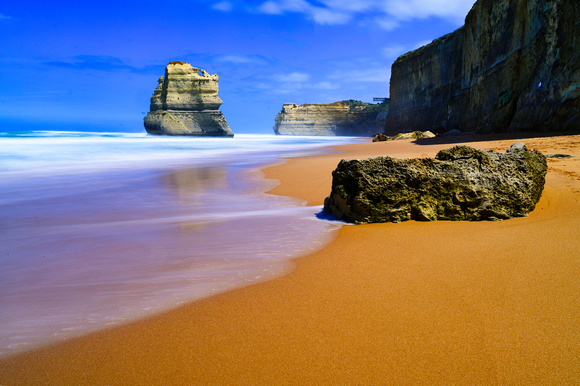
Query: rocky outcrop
x=347 y=118
x=186 y=102
x=379 y=137
x=513 y=66
x=461 y=183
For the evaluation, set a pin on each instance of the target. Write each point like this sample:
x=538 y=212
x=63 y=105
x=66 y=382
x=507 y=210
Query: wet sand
x=408 y=303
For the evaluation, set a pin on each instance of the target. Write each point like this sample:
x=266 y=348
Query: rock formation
x=348 y=118
x=513 y=66
x=186 y=102
x=413 y=135
x=461 y=183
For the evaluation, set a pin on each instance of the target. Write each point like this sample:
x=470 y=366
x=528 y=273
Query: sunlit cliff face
x=186 y=88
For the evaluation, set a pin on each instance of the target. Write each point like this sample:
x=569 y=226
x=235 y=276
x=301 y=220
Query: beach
x=408 y=303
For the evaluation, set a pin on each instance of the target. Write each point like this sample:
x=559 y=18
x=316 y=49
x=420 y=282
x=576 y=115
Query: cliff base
x=195 y=123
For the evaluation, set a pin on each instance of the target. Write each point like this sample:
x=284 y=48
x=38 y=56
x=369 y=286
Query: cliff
x=345 y=118
x=513 y=66
x=186 y=102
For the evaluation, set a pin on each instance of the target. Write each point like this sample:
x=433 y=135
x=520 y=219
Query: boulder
x=460 y=183
x=186 y=102
x=414 y=135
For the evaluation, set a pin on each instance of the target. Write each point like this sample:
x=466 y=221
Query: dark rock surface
x=460 y=183
x=513 y=66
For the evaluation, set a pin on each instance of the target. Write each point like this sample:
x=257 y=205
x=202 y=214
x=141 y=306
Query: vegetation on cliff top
x=366 y=107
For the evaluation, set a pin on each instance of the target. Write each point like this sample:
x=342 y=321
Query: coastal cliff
x=345 y=118
x=186 y=102
x=513 y=66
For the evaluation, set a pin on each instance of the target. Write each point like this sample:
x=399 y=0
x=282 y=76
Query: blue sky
x=93 y=65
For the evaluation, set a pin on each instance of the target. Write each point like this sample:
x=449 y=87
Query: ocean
x=98 y=229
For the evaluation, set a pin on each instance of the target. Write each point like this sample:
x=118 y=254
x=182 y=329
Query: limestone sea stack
x=345 y=118
x=186 y=102
x=513 y=66
x=461 y=183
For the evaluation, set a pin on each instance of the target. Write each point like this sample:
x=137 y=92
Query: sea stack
x=186 y=102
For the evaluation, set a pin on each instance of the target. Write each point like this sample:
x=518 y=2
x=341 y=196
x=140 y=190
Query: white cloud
x=393 y=51
x=225 y=6
x=421 y=44
x=373 y=74
x=242 y=59
x=326 y=86
x=293 y=77
x=454 y=10
x=387 y=14
x=4 y=17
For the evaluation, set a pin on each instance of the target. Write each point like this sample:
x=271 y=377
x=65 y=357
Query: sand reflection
x=190 y=185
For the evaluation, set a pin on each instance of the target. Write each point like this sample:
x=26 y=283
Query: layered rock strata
x=186 y=102
x=513 y=66
x=461 y=183
x=345 y=118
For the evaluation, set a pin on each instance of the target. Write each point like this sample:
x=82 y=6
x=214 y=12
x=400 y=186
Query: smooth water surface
x=97 y=229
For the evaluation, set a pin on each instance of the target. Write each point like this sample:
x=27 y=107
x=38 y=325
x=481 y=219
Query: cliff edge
x=186 y=102
x=513 y=66
x=345 y=118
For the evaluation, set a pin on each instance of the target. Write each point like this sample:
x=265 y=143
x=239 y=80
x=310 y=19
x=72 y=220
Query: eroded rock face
x=513 y=66
x=460 y=183
x=346 y=118
x=186 y=102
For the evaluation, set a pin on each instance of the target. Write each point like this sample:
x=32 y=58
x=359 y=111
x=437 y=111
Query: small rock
x=557 y=155
x=414 y=135
x=452 y=133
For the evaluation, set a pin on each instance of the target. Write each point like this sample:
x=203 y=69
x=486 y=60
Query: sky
x=93 y=65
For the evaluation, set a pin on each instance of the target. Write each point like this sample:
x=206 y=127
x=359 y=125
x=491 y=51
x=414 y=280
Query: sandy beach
x=409 y=303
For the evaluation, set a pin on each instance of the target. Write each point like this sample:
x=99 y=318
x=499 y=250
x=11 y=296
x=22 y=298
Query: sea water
x=98 y=229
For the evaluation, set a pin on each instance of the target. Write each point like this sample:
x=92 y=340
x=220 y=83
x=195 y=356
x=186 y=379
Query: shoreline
x=118 y=246
x=382 y=303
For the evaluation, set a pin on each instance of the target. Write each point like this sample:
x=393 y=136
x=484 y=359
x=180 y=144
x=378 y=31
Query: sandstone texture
x=186 y=102
x=460 y=183
x=345 y=118
x=379 y=137
x=513 y=66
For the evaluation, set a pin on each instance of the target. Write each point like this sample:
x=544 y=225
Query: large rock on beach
x=344 y=118
x=460 y=183
x=379 y=137
x=514 y=66
x=186 y=102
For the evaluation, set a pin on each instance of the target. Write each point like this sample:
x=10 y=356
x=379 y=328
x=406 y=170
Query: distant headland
x=344 y=118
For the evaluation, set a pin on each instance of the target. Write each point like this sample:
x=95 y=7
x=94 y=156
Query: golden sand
x=409 y=303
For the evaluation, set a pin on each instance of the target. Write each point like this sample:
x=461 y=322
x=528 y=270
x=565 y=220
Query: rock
x=346 y=118
x=513 y=66
x=186 y=102
x=414 y=135
x=559 y=155
x=452 y=133
x=380 y=137
x=460 y=183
